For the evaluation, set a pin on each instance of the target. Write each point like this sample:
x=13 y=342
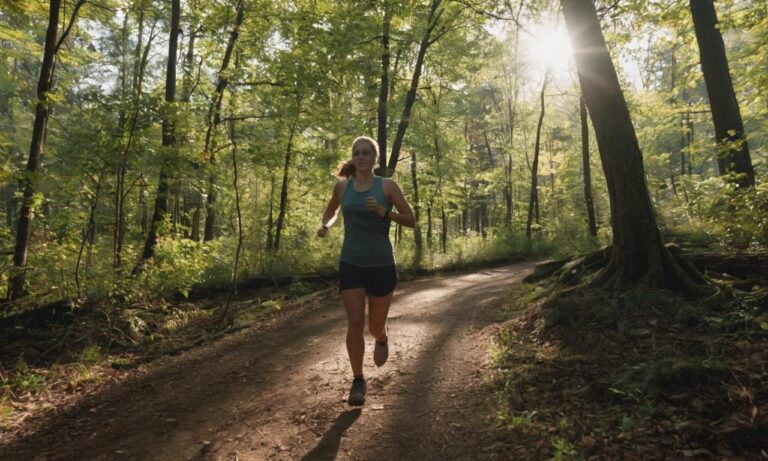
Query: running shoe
x=357 y=393
x=381 y=353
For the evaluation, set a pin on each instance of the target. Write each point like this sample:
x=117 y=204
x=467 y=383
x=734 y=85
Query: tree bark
x=734 y=154
x=587 y=170
x=168 y=142
x=637 y=252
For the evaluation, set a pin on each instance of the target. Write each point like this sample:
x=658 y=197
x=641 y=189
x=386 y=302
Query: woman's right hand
x=322 y=232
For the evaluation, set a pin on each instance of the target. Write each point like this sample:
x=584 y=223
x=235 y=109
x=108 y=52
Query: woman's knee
x=355 y=322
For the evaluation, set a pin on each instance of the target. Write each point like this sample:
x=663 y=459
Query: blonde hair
x=369 y=140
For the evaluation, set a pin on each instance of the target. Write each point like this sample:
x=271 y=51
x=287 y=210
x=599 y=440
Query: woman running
x=367 y=262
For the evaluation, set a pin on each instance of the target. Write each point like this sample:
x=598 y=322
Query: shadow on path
x=441 y=415
x=328 y=446
x=223 y=399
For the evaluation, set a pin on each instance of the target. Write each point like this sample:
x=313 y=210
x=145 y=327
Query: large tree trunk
x=381 y=137
x=592 y=224
x=213 y=119
x=161 y=200
x=533 y=202
x=729 y=129
x=16 y=285
x=637 y=253
x=410 y=97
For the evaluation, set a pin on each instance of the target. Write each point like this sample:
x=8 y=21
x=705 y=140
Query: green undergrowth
x=583 y=373
x=40 y=367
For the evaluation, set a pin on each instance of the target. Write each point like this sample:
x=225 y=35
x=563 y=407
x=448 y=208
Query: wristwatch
x=324 y=227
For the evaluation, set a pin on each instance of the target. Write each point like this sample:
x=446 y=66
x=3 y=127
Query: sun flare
x=548 y=47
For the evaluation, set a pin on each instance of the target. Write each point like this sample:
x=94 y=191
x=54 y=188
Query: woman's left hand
x=374 y=207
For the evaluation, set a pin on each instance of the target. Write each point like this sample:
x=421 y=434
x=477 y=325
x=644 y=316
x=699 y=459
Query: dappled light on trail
x=279 y=392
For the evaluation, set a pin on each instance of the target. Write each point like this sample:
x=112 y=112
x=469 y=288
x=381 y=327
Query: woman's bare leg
x=354 y=304
x=378 y=308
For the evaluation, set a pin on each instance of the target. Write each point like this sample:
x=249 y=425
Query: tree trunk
x=161 y=200
x=410 y=97
x=17 y=281
x=381 y=137
x=193 y=198
x=143 y=212
x=443 y=230
x=88 y=235
x=270 y=216
x=416 y=213
x=637 y=253
x=729 y=129
x=429 y=225
x=684 y=124
x=284 y=188
x=227 y=314
x=533 y=203
x=592 y=224
x=511 y=103
x=141 y=58
x=483 y=212
x=213 y=119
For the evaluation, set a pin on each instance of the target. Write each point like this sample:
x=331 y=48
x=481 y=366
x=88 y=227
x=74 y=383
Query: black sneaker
x=357 y=393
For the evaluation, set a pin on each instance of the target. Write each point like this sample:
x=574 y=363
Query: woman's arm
x=329 y=217
x=404 y=215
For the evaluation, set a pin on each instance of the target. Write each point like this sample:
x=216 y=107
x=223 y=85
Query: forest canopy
x=146 y=147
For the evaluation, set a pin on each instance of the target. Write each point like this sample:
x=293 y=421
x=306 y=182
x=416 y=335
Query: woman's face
x=363 y=156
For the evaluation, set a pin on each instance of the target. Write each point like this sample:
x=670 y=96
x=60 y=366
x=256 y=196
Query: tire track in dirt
x=277 y=392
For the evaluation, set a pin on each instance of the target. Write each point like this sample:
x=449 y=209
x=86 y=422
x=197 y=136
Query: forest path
x=277 y=392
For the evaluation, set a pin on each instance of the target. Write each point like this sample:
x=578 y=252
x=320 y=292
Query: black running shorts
x=377 y=281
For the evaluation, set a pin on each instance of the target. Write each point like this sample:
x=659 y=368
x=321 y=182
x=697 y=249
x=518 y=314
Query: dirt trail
x=277 y=392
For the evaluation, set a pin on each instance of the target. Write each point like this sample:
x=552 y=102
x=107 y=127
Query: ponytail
x=346 y=170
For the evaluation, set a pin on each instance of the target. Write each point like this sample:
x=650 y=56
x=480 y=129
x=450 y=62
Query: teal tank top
x=366 y=236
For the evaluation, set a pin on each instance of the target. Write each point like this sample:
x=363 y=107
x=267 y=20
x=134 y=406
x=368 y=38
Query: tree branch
x=245 y=117
x=489 y=14
x=259 y=82
x=72 y=19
